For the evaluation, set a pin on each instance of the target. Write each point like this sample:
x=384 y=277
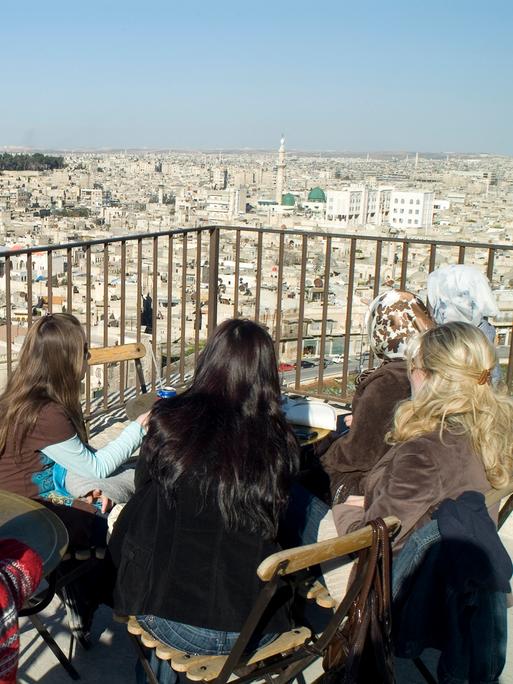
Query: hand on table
x=143 y=420
x=97 y=494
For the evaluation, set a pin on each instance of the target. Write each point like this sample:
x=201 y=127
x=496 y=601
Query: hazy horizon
x=372 y=154
x=202 y=77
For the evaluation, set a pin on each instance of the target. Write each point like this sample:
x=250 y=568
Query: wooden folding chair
x=121 y=354
x=290 y=653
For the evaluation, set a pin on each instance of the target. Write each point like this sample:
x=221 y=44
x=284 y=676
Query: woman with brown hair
x=43 y=437
x=42 y=431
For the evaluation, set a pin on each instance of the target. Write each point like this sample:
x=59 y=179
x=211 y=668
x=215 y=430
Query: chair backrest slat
x=117 y=353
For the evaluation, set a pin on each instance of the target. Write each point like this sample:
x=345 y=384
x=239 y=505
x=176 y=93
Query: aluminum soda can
x=166 y=392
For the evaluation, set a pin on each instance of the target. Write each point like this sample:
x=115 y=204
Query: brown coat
x=28 y=472
x=352 y=456
x=412 y=479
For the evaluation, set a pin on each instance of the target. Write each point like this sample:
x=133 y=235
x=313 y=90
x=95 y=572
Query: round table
x=140 y=404
x=318 y=434
x=31 y=523
x=134 y=407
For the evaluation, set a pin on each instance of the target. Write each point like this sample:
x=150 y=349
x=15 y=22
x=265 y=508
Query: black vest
x=180 y=562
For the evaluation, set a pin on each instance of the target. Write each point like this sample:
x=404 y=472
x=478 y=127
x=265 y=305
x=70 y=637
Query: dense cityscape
x=256 y=342
x=112 y=195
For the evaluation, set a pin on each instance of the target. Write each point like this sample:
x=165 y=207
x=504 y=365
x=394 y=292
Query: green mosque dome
x=316 y=195
x=288 y=200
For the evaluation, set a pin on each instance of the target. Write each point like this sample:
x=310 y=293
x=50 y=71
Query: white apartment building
x=411 y=209
x=358 y=205
x=219 y=178
x=91 y=197
x=225 y=204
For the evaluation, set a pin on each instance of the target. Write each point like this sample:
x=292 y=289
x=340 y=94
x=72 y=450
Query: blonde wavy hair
x=456 y=396
x=50 y=369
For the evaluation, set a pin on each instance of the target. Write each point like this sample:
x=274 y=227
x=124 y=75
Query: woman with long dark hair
x=212 y=482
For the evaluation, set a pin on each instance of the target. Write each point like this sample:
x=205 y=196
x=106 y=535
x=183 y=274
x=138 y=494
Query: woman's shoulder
x=390 y=381
x=386 y=372
x=434 y=445
x=53 y=424
x=51 y=410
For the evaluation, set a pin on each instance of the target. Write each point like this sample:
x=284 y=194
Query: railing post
x=8 y=312
x=213 y=280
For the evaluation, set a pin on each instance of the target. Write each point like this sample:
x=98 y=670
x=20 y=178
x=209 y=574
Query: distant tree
x=30 y=162
x=80 y=212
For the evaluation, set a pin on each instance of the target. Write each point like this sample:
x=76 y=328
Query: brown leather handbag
x=361 y=650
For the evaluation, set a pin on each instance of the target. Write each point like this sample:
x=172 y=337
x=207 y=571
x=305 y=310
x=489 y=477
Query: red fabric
x=20 y=573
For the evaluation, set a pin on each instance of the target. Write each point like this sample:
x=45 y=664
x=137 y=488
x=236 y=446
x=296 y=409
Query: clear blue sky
x=332 y=75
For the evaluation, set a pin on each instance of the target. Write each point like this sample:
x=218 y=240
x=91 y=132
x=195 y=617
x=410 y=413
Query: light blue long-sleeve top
x=72 y=454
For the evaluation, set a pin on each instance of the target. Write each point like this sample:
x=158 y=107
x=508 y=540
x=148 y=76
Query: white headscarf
x=460 y=293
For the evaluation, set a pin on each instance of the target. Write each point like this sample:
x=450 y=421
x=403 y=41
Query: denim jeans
x=188 y=638
x=300 y=525
x=410 y=556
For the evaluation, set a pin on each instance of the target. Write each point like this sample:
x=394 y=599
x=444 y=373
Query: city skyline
x=231 y=77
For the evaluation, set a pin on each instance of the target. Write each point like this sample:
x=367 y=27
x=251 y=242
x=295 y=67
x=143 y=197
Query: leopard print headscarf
x=393 y=318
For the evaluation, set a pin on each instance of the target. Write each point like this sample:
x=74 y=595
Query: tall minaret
x=280 y=173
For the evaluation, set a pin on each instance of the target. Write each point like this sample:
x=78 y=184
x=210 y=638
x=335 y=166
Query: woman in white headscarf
x=462 y=293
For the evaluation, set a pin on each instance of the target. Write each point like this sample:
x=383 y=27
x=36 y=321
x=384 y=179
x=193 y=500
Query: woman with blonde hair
x=454 y=435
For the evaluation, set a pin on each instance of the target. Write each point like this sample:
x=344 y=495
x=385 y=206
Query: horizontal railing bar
x=136 y=249
x=257 y=229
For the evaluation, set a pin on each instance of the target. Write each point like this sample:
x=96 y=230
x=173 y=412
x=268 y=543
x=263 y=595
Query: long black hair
x=228 y=431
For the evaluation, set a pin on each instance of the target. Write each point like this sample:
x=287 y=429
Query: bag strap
x=372 y=555
x=359 y=615
x=359 y=612
x=377 y=579
x=383 y=579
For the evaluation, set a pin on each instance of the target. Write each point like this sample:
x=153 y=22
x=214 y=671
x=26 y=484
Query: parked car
x=337 y=358
x=307 y=364
x=282 y=367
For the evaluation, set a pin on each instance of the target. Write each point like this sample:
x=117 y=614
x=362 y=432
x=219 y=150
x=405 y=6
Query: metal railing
x=310 y=288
